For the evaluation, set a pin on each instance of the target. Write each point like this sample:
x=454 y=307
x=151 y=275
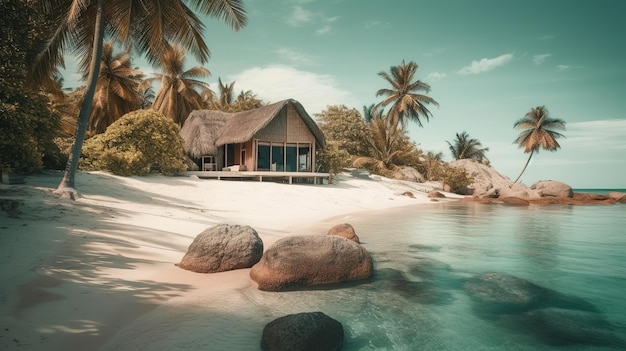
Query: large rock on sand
x=313 y=331
x=222 y=248
x=553 y=188
x=344 y=230
x=487 y=182
x=311 y=260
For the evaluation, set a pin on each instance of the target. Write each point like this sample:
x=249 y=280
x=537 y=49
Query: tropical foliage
x=225 y=99
x=404 y=98
x=539 y=131
x=149 y=26
x=387 y=148
x=464 y=147
x=117 y=89
x=138 y=143
x=346 y=128
x=27 y=127
x=180 y=92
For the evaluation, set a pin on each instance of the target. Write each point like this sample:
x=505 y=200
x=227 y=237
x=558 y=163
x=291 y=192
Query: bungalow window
x=282 y=157
x=291 y=158
x=278 y=157
x=263 y=157
x=304 y=158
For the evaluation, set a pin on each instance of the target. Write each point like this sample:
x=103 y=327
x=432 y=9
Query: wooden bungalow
x=277 y=140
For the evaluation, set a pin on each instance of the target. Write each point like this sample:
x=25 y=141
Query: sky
x=488 y=63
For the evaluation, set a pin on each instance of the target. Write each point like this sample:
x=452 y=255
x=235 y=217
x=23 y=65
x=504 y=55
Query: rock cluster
x=292 y=262
x=489 y=186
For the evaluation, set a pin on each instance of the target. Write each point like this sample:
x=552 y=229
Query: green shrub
x=138 y=143
x=454 y=177
x=332 y=159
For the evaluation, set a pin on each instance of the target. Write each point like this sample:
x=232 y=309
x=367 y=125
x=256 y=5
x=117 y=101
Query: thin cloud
x=372 y=24
x=486 y=64
x=299 y=16
x=602 y=134
x=435 y=76
x=547 y=37
x=279 y=82
x=324 y=30
x=540 y=58
x=295 y=57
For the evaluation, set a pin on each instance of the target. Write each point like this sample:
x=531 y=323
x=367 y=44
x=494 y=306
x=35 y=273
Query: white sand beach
x=99 y=273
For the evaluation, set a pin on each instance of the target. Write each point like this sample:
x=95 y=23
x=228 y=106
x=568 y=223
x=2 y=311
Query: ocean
x=460 y=276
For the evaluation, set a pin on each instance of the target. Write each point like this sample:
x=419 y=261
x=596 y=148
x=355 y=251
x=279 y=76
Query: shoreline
x=76 y=273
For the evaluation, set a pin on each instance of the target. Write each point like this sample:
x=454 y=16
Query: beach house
x=276 y=140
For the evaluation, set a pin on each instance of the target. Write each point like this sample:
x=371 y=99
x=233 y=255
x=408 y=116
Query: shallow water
x=561 y=280
x=447 y=277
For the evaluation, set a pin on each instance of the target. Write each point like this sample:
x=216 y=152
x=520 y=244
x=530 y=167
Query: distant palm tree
x=404 y=97
x=466 y=147
x=388 y=148
x=226 y=93
x=117 y=89
x=538 y=131
x=368 y=112
x=148 y=25
x=180 y=91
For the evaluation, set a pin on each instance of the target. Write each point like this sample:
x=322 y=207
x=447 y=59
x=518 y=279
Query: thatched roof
x=205 y=130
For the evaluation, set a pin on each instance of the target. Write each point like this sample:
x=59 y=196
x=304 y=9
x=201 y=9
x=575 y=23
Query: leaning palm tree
x=117 y=89
x=466 y=147
x=538 y=132
x=148 y=25
x=180 y=91
x=404 y=96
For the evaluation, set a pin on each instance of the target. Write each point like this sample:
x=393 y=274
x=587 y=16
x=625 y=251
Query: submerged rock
x=311 y=260
x=222 y=248
x=562 y=327
x=313 y=331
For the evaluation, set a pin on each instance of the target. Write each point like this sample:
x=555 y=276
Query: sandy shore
x=99 y=272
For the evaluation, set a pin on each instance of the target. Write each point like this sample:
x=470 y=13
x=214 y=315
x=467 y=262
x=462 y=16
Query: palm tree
x=369 y=112
x=466 y=147
x=404 y=98
x=180 y=91
x=117 y=89
x=388 y=148
x=148 y=25
x=538 y=131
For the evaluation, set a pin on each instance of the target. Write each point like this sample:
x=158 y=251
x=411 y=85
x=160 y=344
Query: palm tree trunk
x=66 y=187
x=526 y=165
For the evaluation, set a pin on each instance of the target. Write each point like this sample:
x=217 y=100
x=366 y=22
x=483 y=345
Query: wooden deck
x=260 y=175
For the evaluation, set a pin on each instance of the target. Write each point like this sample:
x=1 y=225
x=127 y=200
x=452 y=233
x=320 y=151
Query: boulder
x=222 y=248
x=435 y=194
x=553 y=188
x=408 y=173
x=618 y=196
x=311 y=260
x=486 y=181
x=312 y=331
x=344 y=230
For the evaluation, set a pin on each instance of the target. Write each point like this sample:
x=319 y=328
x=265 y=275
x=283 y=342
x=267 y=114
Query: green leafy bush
x=138 y=143
x=332 y=159
x=454 y=177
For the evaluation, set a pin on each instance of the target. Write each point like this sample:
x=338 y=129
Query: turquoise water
x=557 y=279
